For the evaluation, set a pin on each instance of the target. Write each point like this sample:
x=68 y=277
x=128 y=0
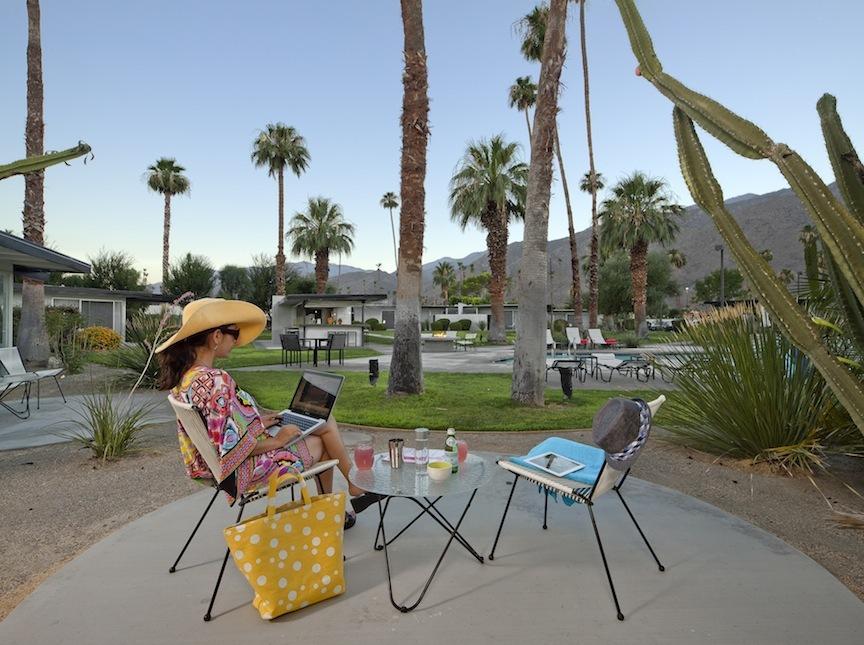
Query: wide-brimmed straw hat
x=621 y=428
x=210 y=313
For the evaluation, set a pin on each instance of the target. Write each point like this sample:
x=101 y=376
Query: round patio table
x=414 y=484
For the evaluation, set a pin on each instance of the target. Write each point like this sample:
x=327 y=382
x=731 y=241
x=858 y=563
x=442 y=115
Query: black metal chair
x=607 y=479
x=292 y=347
x=336 y=342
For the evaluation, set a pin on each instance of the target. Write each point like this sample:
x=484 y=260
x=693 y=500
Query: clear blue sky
x=196 y=80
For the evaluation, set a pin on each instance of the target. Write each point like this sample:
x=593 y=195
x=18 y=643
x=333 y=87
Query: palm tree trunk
x=393 y=230
x=322 y=270
x=593 y=268
x=528 y=123
x=576 y=282
x=166 y=233
x=529 y=362
x=495 y=224
x=639 y=281
x=32 y=339
x=406 y=367
x=280 y=246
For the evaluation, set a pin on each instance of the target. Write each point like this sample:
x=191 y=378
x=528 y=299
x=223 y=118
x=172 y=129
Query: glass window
x=72 y=303
x=100 y=314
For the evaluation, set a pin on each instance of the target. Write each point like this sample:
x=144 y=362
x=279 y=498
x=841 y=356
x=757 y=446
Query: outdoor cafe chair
x=336 y=342
x=10 y=360
x=582 y=487
x=291 y=348
x=193 y=424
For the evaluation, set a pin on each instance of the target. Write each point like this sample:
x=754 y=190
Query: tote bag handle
x=276 y=480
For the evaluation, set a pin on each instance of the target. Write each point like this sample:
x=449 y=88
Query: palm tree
x=391 y=201
x=533 y=28
x=593 y=186
x=277 y=147
x=461 y=267
x=406 y=369
x=488 y=189
x=528 y=385
x=640 y=212
x=523 y=95
x=317 y=231
x=166 y=177
x=32 y=338
x=443 y=277
x=676 y=258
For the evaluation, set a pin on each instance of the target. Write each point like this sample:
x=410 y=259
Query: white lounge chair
x=194 y=427
x=579 y=492
x=10 y=359
x=550 y=342
x=8 y=385
x=597 y=340
x=574 y=339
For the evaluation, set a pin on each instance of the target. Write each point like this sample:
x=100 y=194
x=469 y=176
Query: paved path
x=726 y=582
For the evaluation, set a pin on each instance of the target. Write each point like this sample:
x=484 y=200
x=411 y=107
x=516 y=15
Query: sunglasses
x=235 y=333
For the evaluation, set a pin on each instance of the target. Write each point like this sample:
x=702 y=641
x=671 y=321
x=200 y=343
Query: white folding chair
x=195 y=428
x=586 y=494
x=574 y=339
x=10 y=359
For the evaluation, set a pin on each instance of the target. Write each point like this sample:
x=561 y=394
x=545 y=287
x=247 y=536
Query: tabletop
x=410 y=481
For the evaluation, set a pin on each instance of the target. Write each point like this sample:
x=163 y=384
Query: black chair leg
x=60 y=389
x=207 y=616
x=503 y=517
x=639 y=528
x=545 y=507
x=194 y=531
x=605 y=564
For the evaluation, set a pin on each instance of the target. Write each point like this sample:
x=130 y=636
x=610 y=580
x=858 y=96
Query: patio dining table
x=315 y=344
x=412 y=483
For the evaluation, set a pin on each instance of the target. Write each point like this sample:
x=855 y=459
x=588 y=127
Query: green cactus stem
x=772 y=293
x=34 y=164
x=844 y=159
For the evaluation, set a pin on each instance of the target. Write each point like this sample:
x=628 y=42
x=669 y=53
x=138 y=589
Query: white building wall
x=6 y=304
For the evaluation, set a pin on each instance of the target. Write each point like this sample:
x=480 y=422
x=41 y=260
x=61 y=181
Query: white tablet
x=556 y=464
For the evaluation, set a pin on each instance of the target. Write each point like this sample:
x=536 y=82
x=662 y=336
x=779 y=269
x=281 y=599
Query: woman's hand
x=271 y=419
x=284 y=436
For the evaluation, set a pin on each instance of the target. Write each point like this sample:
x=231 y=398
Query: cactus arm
x=772 y=293
x=844 y=159
x=640 y=41
x=850 y=305
x=34 y=164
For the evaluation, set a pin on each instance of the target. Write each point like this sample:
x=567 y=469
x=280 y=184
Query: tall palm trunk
x=576 y=282
x=322 y=270
x=280 y=247
x=32 y=339
x=528 y=123
x=166 y=234
x=639 y=282
x=495 y=224
x=393 y=230
x=529 y=360
x=406 y=368
x=593 y=268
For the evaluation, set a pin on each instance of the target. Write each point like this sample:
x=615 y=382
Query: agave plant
x=840 y=227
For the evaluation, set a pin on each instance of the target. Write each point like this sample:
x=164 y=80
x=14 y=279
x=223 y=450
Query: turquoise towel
x=592 y=457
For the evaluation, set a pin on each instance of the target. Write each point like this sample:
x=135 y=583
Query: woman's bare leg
x=316 y=448
x=335 y=449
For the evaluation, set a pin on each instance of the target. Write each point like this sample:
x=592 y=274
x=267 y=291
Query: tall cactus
x=34 y=164
x=840 y=230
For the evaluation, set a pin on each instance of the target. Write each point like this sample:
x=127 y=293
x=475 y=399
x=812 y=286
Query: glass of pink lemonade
x=364 y=455
x=462 y=446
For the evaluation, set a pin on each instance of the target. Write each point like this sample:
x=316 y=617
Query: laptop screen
x=316 y=394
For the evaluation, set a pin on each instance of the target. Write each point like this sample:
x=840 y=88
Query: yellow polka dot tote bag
x=291 y=554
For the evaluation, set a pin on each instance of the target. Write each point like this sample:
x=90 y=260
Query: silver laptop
x=313 y=401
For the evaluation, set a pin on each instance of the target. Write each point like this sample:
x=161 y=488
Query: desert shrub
x=61 y=326
x=481 y=325
x=441 y=324
x=99 y=339
x=143 y=334
x=627 y=340
x=752 y=394
x=464 y=325
x=372 y=324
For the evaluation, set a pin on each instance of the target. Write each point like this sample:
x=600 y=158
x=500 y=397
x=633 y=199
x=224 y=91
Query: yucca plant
x=144 y=332
x=753 y=394
x=109 y=430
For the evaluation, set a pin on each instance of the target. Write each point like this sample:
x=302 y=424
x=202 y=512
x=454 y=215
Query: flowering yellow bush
x=99 y=338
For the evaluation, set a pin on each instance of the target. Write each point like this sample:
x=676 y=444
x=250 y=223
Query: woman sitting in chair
x=250 y=444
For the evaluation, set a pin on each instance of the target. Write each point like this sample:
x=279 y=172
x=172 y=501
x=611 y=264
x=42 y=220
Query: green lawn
x=248 y=356
x=464 y=401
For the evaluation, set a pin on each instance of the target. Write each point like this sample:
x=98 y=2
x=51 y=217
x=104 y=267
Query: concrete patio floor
x=725 y=581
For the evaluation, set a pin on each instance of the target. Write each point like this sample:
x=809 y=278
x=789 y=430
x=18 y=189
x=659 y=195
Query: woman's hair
x=175 y=360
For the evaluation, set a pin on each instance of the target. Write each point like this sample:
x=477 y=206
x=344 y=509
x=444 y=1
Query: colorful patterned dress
x=235 y=427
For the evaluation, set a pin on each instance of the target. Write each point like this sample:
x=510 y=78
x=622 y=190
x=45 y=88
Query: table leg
x=315 y=355
x=453 y=533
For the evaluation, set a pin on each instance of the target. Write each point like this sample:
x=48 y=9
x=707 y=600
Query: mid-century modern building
x=316 y=315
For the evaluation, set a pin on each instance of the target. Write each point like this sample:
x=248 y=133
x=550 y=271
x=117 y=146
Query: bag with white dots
x=292 y=554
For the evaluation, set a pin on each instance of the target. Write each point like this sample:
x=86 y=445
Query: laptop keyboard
x=303 y=423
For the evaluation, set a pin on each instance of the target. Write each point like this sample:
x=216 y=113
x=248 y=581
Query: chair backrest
x=291 y=342
x=193 y=424
x=573 y=335
x=549 y=339
x=596 y=337
x=470 y=337
x=338 y=340
x=11 y=360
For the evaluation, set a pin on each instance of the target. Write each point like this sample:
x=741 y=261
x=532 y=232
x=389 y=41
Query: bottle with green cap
x=452 y=450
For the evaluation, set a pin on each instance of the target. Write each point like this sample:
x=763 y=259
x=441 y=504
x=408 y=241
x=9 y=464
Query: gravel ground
x=58 y=500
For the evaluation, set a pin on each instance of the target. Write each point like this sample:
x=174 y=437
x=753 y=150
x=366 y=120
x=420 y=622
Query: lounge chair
x=193 y=424
x=637 y=366
x=574 y=339
x=8 y=385
x=10 y=360
x=597 y=340
x=582 y=487
x=467 y=342
x=550 y=342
